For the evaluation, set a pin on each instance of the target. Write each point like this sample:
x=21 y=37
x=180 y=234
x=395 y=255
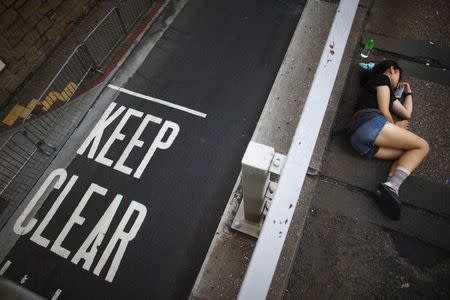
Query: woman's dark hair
x=379 y=68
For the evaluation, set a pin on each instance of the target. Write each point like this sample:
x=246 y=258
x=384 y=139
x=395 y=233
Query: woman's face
x=395 y=77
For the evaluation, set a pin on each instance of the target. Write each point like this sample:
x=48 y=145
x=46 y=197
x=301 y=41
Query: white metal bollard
x=258 y=163
x=255 y=178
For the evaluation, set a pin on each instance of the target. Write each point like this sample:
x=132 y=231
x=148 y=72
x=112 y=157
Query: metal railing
x=41 y=119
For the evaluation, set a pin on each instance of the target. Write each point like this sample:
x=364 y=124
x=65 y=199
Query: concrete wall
x=29 y=31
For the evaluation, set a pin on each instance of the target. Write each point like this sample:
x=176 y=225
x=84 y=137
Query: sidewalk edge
x=289 y=252
x=205 y=280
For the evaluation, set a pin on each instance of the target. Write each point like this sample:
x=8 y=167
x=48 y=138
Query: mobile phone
x=398 y=92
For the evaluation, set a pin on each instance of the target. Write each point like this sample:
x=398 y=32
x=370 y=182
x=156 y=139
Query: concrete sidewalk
x=348 y=247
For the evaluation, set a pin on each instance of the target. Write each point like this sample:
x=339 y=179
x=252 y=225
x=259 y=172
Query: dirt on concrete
x=342 y=258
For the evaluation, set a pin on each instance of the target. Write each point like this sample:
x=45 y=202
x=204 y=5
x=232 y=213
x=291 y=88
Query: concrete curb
x=225 y=264
x=284 y=267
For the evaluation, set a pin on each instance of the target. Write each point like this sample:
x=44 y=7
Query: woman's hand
x=407 y=87
x=404 y=110
x=403 y=124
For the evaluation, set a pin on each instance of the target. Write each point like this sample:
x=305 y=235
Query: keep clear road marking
x=5 y=267
x=24 y=278
x=159 y=101
x=56 y=295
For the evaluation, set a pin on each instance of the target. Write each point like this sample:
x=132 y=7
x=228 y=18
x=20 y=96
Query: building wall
x=29 y=31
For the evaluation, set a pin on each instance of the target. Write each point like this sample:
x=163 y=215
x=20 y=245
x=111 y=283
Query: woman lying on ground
x=374 y=133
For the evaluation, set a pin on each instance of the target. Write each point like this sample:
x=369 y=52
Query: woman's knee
x=424 y=145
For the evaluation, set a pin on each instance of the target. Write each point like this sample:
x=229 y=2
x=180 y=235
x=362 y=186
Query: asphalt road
x=151 y=221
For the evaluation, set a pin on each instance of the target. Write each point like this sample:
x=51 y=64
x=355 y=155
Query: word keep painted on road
x=124 y=233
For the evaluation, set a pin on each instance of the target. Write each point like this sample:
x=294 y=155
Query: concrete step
x=362 y=207
x=341 y=258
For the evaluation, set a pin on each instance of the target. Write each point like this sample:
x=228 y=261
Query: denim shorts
x=363 y=139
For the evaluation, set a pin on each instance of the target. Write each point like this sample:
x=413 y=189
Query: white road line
x=56 y=295
x=159 y=101
x=267 y=251
x=24 y=278
x=5 y=267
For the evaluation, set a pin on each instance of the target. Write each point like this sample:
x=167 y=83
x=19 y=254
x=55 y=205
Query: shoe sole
x=389 y=202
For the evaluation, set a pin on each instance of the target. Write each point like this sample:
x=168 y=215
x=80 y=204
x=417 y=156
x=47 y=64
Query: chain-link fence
x=42 y=121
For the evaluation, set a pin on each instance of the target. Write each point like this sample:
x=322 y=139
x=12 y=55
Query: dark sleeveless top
x=367 y=105
x=368 y=96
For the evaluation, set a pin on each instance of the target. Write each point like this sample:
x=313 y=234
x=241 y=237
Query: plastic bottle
x=367 y=66
x=367 y=48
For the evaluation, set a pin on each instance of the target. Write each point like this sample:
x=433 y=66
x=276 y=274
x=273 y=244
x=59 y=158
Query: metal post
x=258 y=163
x=255 y=178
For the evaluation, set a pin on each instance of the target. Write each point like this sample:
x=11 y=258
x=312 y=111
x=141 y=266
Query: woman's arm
x=383 y=99
x=404 y=110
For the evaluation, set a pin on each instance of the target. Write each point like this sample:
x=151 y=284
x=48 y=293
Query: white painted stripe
x=5 y=267
x=24 y=279
x=265 y=257
x=56 y=295
x=159 y=101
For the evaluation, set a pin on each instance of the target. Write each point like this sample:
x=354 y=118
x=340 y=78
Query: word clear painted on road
x=88 y=250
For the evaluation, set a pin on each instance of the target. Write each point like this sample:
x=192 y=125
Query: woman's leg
x=389 y=154
x=414 y=151
x=392 y=169
x=414 y=147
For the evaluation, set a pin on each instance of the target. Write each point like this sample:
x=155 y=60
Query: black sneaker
x=389 y=201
